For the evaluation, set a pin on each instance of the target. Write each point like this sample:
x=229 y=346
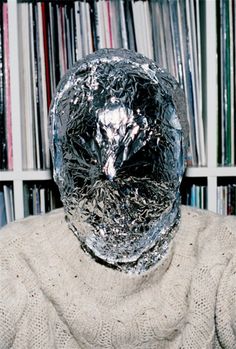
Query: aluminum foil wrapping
x=118 y=136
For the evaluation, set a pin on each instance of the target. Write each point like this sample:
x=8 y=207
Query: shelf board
x=41 y=175
x=211 y=171
x=6 y=175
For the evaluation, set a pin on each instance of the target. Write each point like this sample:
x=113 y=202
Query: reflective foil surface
x=118 y=136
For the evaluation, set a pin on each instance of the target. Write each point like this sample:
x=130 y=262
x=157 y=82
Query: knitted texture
x=53 y=295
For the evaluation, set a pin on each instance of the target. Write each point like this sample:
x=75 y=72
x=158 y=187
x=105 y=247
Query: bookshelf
x=210 y=173
x=17 y=176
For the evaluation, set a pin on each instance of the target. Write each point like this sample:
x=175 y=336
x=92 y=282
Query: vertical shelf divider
x=212 y=193
x=211 y=100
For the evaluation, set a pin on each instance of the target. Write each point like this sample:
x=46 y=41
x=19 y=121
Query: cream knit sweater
x=53 y=295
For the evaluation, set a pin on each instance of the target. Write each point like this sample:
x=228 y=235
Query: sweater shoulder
x=25 y=229
x=21 y=242
x=213 y=230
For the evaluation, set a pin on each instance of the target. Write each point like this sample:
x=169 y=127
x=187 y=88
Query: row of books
x=196 y=196
x=6 y=205
x=38 y=199
x=6 y=159
x=226 y=199
x=226 y=37
x=170 y=32
x=54 y=35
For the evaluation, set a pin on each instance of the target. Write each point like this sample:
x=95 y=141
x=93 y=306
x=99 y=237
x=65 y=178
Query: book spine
x=124 y=38
x=234 y=198
x=36 y=71
x=232 y=92
x=46 y=52
x=51 y=46
x=73 y=33
x=78 y=30
x=229 y=198
x=42 y=200
x=109 y=23
x=89 y=28
x=93 y=20
x=8 y=202
x=55 y=42
x=26 y=200
x=67 y=36
x=3 y=144
x=42 y=89
x=63 y=39
x=3 y=218
x=7 y=87
x=193 y=196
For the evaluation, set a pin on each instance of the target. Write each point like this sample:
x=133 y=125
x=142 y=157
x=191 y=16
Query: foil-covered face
x=118 y=131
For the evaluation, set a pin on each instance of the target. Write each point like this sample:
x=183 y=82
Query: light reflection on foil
x=118 y=133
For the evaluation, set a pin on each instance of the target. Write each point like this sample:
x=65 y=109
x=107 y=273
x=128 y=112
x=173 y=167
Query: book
x=27 y=101
x=87 y=32
x=42 y=88
x=68 y=37
x=232 y=82
x=8 y=201
x=7 y=88
x=100 y=25
x=36 y=86
x=130 y=26
x=108 y=24
x=194 y=68
x=148 y=30
x=42 y=200
x=44 y=11
x=139 y=26
x=79 y=51
x=123 y=29
x=3 y=218
x=168 y=40
x=226 y=82
x=51 y=48
x=3 y=143
x=55 y=67
x=72 y=33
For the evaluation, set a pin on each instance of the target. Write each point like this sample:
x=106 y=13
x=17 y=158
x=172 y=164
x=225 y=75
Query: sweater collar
x=100 y=277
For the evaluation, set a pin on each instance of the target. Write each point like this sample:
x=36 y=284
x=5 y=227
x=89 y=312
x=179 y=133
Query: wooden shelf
x=211 y=171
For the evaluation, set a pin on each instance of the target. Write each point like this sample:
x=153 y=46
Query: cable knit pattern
x=53 y=295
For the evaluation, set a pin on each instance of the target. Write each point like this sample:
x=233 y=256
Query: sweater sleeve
x=13 y=300
x=226 y=297
x=13 y=295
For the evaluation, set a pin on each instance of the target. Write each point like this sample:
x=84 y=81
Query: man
x=131 y=268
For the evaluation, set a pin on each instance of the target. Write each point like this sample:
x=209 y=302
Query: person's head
x=118 y=136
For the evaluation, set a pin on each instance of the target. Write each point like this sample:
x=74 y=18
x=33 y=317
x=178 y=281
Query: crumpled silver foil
x=118 y=136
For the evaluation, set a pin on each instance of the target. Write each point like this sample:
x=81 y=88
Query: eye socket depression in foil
x=118 y=136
